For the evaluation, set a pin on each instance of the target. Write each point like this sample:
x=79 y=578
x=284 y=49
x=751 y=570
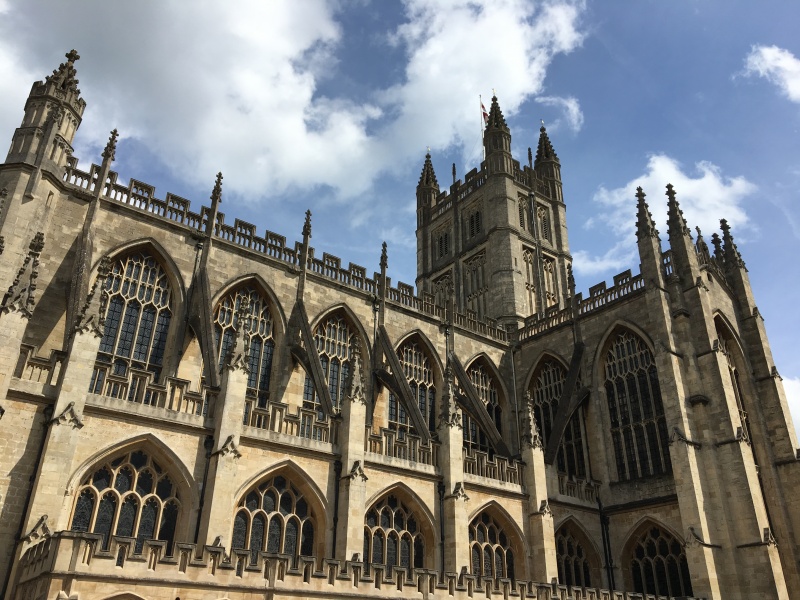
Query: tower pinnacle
x=645 y=227
x=544 y=152
x=496 y=119
x=64 y=76
x=428 y=176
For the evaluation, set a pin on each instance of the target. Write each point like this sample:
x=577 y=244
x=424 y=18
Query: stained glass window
x=638 y=427
x=127 y=482
x=486 y=387
x=274 y=516
x=418 y=372
x=574 y=564
x=490 y=548
x=658 y=564
x=334 y=340
x=392 y=536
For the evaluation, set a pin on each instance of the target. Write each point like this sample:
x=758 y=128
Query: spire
x=307 y=224
x=545 y=152
x=64 y=76
x=645 y=227
x=384 y=258
x=496 y=119
x=216 y=199
x=428 y=176
x=111 y=146
x=731 y=252
x=676 y=224
x=216 y=193
x=702 y=247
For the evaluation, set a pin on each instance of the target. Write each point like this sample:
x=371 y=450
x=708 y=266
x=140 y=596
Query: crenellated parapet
x=74 y=565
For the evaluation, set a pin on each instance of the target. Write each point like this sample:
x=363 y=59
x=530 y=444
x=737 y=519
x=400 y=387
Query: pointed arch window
x=528 y=258
x=658 y=564
x=726 y=346
x=490 y=549
x=392 y=536
x=574 y=564
x=334 y=340
x=129 y=496
x=546 y=389
x=544 y=223
x=638 y=426
x=418 y=372
x=274 y=517
x=474 y=437
x=137 y=322
x=550 y=281
x=259 y=341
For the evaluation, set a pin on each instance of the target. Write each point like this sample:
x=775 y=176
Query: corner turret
x=547 y=166
x=648 y=241
x=497 y=141
x=53 y=113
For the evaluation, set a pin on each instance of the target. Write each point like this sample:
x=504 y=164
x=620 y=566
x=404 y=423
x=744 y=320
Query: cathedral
x=192 y=409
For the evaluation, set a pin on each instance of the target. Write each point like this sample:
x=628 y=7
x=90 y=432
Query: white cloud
x=571 y=109
x=791 y=385
x=705 y=196
x=776 y=65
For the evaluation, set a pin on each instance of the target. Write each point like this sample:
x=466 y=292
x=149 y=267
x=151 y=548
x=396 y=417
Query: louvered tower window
x=137 y=321
x=418 y=372
x=258 y=334
x=392 y=536
x=490 y=548
x=638 y=426
x=130 y=496
x=546 y=389
x=574 y=567
x=275 y=517
x=659 y=566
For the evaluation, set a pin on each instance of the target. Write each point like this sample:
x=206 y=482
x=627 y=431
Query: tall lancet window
x=550 y=281
x=547 y=386
x=137 y=322
x=528 y=259
x=419 y=373
x=638 y=425
x=258 y=338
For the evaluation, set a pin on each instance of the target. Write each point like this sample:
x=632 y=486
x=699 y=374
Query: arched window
x=550 y=281
x=418 y=372
x=490 y=548
x=129 y=496
x=392 y=535
x=274 y=517
x=137 y=322
x=528 y=257
x=638 y=426
x=544 y=223
x=334 y=340
x=574 y=566
x=547 y=385
x=486 y=386
x=658 y=564
x=727 y=346
x=258 y=338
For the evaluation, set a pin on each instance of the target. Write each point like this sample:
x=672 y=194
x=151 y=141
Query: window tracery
x=726 y=345
x=544 y=223
x=274 y=517
x=474 y=437
x=638 y=425
x=659 y=566
x=129 y=496
x=491 y=554
x=419 y=373
x=528 y=257
x=546 y=389
x=392 y=535
x=574 y=567
x=259 y=340
x=550 y=281
x=137 y=321
x=475 y=287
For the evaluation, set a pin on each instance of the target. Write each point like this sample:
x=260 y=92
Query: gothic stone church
x=194 y=410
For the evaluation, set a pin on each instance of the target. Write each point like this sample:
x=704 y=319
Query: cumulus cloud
x=239 y=90
x=778 y=66
x=705 y=194
x=571 y=108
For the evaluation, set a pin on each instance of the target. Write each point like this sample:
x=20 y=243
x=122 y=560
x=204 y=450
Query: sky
x=331 y=106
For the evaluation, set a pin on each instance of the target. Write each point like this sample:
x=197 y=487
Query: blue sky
x=331 y=105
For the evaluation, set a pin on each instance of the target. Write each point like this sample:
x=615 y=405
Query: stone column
x=541 y=540
x=353 y=489
x=451 y=459
x=221 y=484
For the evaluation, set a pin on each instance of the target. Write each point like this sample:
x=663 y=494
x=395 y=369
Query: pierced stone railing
x=581 y=489
x=32 y=367
x=404 y=446
x=500 y=468
x=305 y=423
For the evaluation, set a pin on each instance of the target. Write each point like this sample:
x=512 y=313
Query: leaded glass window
x=392 y=535
x=137 y=321
x=334 y=340
x=474 y=437
x=638 y=426
x=275 y=517
x=130 y=496
x=574 y=566
x=259 y=340
x=490 y=549
x=418 y=372
x=547 y=385
x=658 y=564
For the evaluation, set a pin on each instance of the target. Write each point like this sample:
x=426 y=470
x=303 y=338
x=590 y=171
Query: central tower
x=497 y=242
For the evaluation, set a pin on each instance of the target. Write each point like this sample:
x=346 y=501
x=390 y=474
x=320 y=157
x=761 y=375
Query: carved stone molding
x=356 y=472
x=459 y=493
x=92 y=317
x=544 y=510
x=530 y=429
x=68 y=416
x=678 y=435
x=39 y=531
x=230 y=447
x=237 y=358
x=450 y=413
x=356 y=388
x=20 y=296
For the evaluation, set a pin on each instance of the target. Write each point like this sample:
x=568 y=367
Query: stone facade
x=192 y=410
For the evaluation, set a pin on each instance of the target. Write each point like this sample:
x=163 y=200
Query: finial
x=384 y=257
x=530 y=157
x=701 y=246
x=111 y=146
x=717 y=243
x=570 y=280
x=675 y=222
x=645 y=227
x=216 y=193
x=542 y=127
x=670 y=192
x=454 y=172
x=307 y=224
x=494 y=93
x=72 y=55
x=428 y=150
